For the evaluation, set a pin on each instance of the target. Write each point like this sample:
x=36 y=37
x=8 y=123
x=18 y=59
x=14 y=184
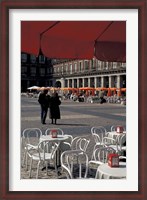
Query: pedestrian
x=101 y=96
x=44 y=100
x=54 y=108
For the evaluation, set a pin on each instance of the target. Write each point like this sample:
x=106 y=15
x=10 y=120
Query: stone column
x=88 y=82
x=118 y=81
x=62 y=82
x=110 y=81
x=77 y=82
x=102 y=81
x=83 y=82
x=68 y=83
x=95 y=82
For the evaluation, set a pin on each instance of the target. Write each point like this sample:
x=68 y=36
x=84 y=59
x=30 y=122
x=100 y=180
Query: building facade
x=43 y=72
x=89 y=73
x=35 y=71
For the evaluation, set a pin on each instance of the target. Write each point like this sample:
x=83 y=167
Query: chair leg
x=37 y=169
x=30 y=168
x=56 y=168
x=26 y=161
x=24 y=158
x=46 y=163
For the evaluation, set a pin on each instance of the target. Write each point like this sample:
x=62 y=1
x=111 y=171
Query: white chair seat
x=36 y=156
x=74 y=159
x=28 y=144
x=44 y=154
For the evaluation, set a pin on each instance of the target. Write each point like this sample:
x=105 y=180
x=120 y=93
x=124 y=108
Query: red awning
x=106 y=40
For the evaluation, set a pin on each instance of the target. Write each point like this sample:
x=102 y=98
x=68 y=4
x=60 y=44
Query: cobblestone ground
x=77 y=119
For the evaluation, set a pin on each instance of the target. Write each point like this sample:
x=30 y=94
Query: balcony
x=89 y=73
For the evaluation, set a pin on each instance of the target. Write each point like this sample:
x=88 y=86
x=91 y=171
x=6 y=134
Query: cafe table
x=114 y=134
x=59 y=139
x=107 y=172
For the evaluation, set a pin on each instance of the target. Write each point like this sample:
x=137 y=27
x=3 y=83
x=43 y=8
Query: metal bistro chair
x=29 y=136
x=58 y=130
x=98 y=134
x=43 y=155
x=66 y=145
x=119 y=144
x=100 y=156
x=80 y=143
x=75 y=164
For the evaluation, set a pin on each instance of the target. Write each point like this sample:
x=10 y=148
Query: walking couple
x=52 y=102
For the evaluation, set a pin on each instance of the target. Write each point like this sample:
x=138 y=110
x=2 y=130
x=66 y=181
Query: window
x=80 y=66
x=23 y=70
x=33 y=59
x=86 y=64
x=33 y=71
x=66 y=68
x=42 y=71
x=93 y=63
x=62 y=69
x=54 y=69
x=75 y=67
x=41 y=59
x=70 y=68
x=99 y=64
x=23 y=58
x=114 y=65
x=106 y=65
x=49 y=70
x=123 y=65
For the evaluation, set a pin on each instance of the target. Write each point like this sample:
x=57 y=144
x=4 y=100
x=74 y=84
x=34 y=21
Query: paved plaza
x=77 y=119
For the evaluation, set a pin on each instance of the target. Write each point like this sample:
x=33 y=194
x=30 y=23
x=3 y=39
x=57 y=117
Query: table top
x=117 y=172
x=116 y=133
x=58 y=138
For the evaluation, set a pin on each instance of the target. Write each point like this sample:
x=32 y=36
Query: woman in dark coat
x=54 y=108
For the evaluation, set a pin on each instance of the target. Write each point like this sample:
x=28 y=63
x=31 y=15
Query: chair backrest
x=74 y=163
x=124 y=158
x=101 y=154
x=109 y=141
x=69 y=140
x=47 y=147
x=80 y=143
x=97 y=129
x=121 y=141
x=49 y=131
x=98 y=134
x=66 y=145
x=31 y=136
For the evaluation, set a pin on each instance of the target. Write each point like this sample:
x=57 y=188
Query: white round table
x=59 y=138
x=112 y=172
x=114 y=134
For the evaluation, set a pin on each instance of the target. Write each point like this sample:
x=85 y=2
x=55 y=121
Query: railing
x=89 y=72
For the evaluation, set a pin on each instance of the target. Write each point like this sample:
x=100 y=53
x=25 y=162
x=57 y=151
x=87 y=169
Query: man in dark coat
x=54 y=108
x=44 y=103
